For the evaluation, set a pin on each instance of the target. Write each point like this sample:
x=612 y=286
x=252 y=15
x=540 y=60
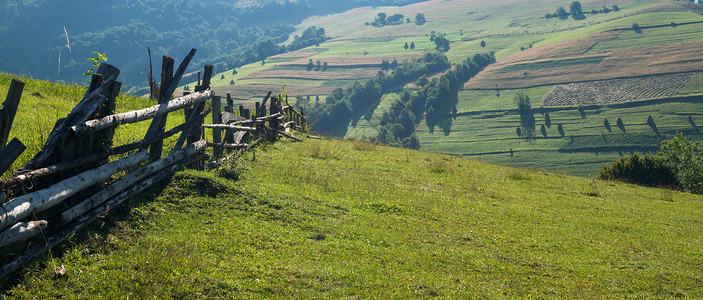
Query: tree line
x=226 y=34
x=434 y=99
x=341 y=104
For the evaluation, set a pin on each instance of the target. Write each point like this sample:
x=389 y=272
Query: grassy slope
x=345 y=219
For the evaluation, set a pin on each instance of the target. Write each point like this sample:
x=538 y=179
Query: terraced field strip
x=553 y=64
x=655 y=60
x=617 y=90
x=254 y=91
x=350 y=62
x=316 y=75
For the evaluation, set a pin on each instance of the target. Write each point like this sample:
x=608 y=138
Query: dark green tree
x=576 y=12
x=441 y=43
x=420 y=19
x=406 y=46
x=483 y=44
x=412 y=45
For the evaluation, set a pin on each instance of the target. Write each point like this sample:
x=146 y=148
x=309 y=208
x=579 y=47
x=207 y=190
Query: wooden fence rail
x=74 y=164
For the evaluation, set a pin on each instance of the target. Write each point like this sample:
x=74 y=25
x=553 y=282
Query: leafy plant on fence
x=99 y=58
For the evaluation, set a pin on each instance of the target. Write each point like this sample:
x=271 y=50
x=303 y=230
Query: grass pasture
x=412 y=225
x=492 y=135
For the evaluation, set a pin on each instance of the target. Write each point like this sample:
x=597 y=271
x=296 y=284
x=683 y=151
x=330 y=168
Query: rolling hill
x=579 y=72
x=345 y=219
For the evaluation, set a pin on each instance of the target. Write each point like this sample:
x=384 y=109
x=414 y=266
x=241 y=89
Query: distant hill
x=578 y=71
x=33 y=41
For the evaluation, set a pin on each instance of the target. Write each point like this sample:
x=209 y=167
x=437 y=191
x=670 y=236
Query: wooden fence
x=75 y=162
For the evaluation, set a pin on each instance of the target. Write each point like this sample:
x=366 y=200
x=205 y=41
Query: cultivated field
x=564 y=63
x=617 y=90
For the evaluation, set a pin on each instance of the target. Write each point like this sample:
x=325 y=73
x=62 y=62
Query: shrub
x=231 y=170
x=685 y=158
x=647 y=170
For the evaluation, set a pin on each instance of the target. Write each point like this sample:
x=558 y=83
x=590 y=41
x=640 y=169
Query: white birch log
x=22 y=206
x=142 y=114
x=130 y=180
x=233 y=127
x=21 y=231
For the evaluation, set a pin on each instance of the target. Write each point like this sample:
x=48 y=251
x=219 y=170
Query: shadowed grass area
x=387 y=223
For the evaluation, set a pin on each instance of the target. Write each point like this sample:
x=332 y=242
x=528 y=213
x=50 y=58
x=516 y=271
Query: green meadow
x=345 y=219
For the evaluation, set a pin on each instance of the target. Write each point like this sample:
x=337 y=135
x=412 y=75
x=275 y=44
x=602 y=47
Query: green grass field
x=344 y=219
x=491 y=136
x=537 y=50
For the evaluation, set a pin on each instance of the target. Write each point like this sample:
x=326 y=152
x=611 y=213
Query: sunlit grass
x=384 y=224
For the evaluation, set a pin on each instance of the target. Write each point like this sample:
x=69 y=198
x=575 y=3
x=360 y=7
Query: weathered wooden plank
x=167 y=92
x=130 y=180
x=229 y=110
x=142 y=114
x=227 y=146
x=22 y=206
x=288 y=136
x=82 y=112
x=229 y=117
x=9 y=110
x=8 y=155
x=21 y=231
x=35 y=174
x=233 y=127
x=160 y=122
x=217 y=119
x=194 y=134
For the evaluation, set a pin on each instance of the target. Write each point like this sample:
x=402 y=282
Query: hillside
x=577 y=72
x=350 y=219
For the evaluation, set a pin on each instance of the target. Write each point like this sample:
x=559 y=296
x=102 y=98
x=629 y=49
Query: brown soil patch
x=295 y=54
x=623 y=63
x=616 y=90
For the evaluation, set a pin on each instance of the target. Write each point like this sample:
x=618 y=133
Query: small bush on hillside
x=363 y=146
x=316 y=151
x=647 y=170
x=685 y=158
x=231 y=170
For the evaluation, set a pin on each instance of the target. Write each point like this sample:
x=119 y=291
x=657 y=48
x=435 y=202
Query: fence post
x=257 y=110
x=217 y=119
x=7 y=114
x=159 y=124
x=229 y=138
x=9 y=154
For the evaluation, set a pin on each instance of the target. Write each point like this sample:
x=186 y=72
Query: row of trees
x=382 y=19
x=316 y=66
x=436 y=99
x=340 y=105
x=227 y=34
x=576 y=11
